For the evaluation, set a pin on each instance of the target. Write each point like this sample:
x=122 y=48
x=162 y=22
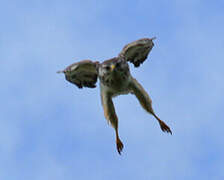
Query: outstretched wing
x=82 y=74
x=136 y=52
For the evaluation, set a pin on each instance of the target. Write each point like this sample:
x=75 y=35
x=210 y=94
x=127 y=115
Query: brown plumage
x=115 y=79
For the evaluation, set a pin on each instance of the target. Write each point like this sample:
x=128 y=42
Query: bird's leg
x=162 y=124
x=111 y=116
x=146 y=103
x=118 y=142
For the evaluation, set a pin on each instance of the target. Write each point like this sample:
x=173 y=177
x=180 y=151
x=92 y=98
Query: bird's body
x=115 y=90
x=115 y=79
x=115 y=82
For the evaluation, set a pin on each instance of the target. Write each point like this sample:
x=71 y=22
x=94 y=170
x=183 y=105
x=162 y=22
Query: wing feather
x=137 y=52
x=82 y=74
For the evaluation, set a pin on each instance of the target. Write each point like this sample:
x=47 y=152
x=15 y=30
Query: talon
x=164 y=127
x=119 y=146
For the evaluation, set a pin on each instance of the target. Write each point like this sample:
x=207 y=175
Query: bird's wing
x=136 y=52
x=82 y=74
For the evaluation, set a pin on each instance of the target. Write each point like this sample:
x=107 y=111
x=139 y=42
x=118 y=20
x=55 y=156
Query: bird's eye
x=118 y=64
x=107 y=68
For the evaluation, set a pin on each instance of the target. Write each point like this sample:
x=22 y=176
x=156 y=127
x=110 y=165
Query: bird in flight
x=116 y=79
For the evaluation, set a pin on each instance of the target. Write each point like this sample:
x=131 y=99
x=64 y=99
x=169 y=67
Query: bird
x=116 y=79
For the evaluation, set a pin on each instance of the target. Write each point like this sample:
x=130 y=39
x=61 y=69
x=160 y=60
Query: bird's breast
x=116 y=85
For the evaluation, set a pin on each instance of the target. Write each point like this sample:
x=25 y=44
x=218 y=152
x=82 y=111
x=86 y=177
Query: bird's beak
x=112 y=67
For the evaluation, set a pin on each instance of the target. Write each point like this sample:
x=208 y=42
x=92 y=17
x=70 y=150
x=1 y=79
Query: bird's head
x=113 y=67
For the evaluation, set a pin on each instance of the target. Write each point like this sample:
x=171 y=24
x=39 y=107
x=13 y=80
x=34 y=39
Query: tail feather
x=153 y=38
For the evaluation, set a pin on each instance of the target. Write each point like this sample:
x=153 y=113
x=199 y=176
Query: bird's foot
x=119 y=145
x=164 y=127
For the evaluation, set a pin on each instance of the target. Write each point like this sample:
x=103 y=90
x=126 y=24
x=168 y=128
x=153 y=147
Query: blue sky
x=52 y=130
